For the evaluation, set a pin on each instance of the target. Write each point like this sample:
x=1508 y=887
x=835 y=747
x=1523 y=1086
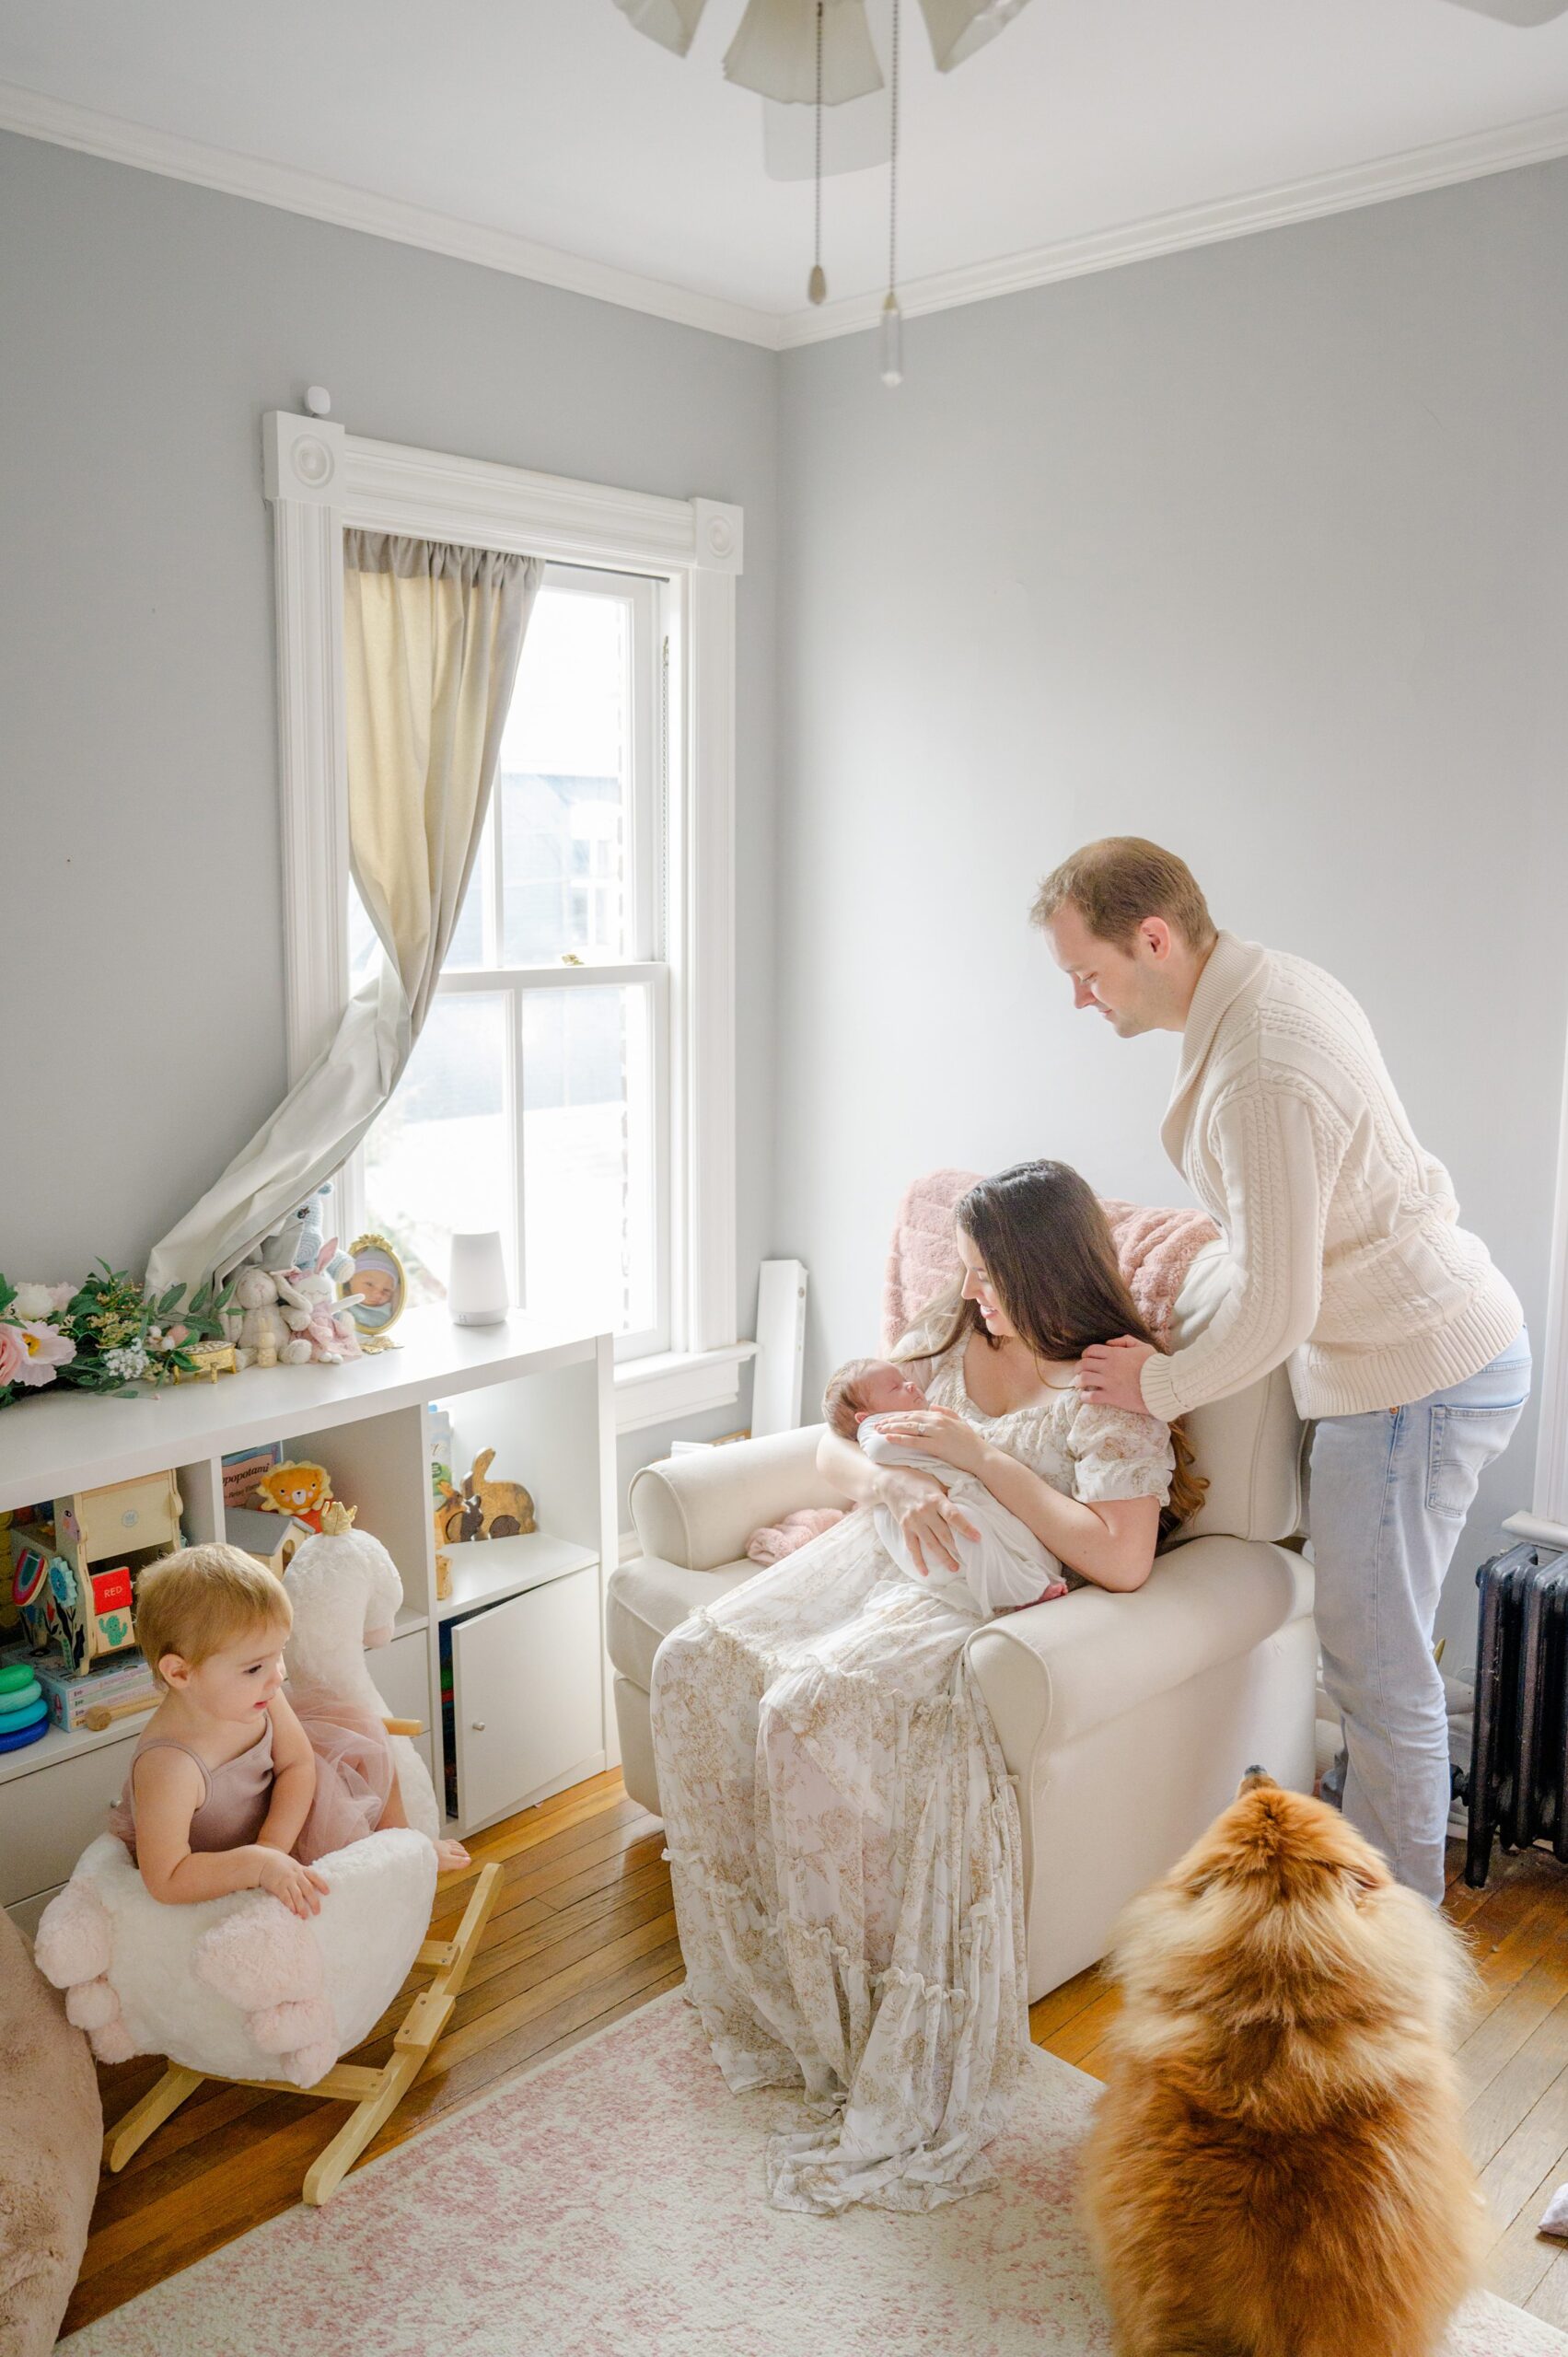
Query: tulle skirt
x=354 y=1772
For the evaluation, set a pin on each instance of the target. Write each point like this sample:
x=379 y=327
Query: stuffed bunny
x=309 y=1306
x=265 y=1337
x=296 y=1244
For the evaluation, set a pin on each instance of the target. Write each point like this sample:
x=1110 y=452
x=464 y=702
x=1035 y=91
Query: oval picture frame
x=375 y=1292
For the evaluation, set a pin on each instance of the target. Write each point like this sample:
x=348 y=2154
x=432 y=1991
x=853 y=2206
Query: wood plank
x=1052 y=2012
x=1491 y=2116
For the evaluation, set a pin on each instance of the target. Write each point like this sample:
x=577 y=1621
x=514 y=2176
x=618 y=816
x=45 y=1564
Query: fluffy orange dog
x=1275 y=2170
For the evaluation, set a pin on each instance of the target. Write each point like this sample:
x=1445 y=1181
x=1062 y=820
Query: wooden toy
x=49 y=1602
x=106 y=1536
x=486 y=1509
x=103 y=1714
x=212 y=1359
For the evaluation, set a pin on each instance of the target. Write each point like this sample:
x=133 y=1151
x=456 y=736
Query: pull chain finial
x=892 y=328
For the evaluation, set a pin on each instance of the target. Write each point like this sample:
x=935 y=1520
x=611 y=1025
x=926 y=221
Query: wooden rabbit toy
x=485 y=1509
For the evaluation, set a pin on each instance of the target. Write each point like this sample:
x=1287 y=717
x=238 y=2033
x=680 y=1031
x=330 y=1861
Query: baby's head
x=865 y=1387
x=211 y=1622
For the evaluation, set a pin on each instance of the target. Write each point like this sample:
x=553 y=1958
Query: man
x=1405 y=1347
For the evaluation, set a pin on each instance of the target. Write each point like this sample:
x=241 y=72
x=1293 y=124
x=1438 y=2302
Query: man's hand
x=1111 y=1372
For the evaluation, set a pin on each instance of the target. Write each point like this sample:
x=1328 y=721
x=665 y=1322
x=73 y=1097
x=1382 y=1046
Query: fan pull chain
x=892 y=327
x=817 y=284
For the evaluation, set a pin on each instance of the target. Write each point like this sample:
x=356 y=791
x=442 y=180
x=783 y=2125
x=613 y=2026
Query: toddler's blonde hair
x=198 y=1601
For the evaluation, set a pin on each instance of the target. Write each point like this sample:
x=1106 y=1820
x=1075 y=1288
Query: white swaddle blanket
x=1005 y=1567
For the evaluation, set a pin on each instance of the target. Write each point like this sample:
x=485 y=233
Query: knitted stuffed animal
x=310 y=1304
x=296 y=1243
x=265 y=1337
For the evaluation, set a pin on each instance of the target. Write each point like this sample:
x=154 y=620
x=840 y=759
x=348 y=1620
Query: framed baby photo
x=375 y=1292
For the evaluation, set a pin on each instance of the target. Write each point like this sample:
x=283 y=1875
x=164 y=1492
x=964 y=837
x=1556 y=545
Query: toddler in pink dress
x=236 y=1785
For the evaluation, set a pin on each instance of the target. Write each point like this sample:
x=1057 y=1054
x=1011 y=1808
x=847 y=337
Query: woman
x=844 y=1837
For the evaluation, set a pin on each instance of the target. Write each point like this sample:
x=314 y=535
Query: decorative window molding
x=321 y=479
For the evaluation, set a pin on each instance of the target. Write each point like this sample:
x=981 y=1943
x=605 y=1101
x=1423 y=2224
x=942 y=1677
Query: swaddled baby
x=1006 y=1566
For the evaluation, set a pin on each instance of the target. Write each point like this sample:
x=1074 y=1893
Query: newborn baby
x=1006 y=1566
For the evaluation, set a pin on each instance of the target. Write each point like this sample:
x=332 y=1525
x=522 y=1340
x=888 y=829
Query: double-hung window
x=573 y=1084
x=536 y=1101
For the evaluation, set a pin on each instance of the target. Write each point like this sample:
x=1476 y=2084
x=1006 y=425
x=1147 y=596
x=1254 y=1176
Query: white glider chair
x=1126 y=1721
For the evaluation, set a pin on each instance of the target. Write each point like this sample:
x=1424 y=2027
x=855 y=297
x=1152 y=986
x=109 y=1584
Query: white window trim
x=321 y=479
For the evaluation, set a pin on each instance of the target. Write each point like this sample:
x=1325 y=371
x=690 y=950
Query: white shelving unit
x=524 y=1624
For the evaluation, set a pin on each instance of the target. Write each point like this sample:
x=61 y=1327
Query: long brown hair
x=1047 y=1248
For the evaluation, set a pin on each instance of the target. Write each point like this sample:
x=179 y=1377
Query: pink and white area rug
x=611 y=2205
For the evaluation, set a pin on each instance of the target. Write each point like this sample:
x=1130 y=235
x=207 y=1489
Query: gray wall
x=145 y=327
x=1257 y=550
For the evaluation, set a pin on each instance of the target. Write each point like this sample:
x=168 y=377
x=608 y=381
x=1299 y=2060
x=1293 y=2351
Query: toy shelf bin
x=525 y=1623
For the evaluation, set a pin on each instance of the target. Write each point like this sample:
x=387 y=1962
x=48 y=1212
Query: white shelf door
x=527 y=1695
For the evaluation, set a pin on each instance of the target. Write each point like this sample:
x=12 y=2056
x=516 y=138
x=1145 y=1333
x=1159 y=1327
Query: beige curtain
x=432 y=635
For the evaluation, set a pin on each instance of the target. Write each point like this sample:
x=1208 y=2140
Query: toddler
x=1006 y=1566
x=225 y=1791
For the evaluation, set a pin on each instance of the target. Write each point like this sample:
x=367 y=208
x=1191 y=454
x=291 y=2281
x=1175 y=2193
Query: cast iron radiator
x=1519 y=1750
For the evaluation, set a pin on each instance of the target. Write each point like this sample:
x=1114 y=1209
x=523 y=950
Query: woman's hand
x=925 y=1515
x=1112 y=1373
x=938 y=1431
x=298 y=1887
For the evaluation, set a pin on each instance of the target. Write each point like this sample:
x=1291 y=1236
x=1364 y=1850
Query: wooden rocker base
x=374 y=2095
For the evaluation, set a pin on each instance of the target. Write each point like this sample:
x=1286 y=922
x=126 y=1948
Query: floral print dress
x=843 y=1837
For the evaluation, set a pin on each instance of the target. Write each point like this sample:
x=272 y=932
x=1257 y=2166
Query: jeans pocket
x=1463 y=1443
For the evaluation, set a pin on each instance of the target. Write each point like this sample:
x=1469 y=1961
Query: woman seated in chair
x=844 y=1837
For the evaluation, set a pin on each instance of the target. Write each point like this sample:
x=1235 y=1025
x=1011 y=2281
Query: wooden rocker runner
x=374 y=2095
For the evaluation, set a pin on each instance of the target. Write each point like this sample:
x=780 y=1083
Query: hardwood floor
x=584 y=1931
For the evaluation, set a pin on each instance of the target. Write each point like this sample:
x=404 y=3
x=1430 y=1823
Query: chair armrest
x=1056 y=1671
x=700 y=1510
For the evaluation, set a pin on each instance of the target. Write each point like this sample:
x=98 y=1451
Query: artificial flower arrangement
x=106 y=1335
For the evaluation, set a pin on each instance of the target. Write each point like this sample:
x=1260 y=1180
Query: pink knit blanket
x=1156 y=1248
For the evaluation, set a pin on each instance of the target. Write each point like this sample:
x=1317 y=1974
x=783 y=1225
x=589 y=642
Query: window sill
x=672 y=1384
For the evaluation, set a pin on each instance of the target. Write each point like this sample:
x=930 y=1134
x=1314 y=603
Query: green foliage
x=127 y=1339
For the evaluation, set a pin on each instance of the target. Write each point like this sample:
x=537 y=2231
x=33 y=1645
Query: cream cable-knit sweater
x=1348 y=1262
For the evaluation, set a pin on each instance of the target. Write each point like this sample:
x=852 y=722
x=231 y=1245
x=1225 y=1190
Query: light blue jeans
x=1389 y=1493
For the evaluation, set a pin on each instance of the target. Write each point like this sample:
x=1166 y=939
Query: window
x=574 y=1085
x=534 y=1101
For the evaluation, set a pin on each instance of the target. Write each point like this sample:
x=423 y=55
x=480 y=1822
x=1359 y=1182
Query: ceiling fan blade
x=671 y=22
x=957 y=27
x=775 y=52
x=1515 y=12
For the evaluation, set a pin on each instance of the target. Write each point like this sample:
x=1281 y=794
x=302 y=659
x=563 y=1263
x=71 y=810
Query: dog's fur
x=1275 y=2169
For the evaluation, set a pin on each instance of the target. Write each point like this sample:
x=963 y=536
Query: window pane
x=564 y=784
x=438 y=1160
x=588 y=1156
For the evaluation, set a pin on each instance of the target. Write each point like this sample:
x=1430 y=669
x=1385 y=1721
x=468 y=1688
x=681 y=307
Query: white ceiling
x=554 y=123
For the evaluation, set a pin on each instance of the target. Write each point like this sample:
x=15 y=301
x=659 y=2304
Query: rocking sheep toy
x=239 y=1988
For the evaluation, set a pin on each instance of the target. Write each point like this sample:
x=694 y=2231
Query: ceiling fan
x=818 y=56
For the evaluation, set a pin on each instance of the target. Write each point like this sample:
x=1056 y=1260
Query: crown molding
x=34 y=116
x=1537 y=141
